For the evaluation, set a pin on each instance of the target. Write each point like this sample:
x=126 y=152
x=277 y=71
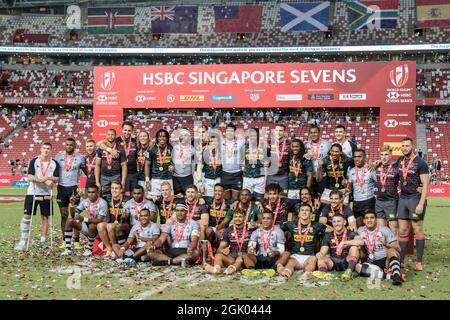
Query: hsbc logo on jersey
x=399 y=75
x=391 y=123
x=102 y=123
x=107 y=80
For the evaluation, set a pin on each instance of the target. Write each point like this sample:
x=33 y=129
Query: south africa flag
x=382 y=14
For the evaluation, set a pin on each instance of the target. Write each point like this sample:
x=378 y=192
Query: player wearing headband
x=183 y=235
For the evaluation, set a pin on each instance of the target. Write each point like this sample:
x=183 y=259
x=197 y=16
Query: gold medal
x=383 y=189
x=161 y=168
x=336 y=185
x=405 y=183
x=253 y=166
x=302 y=249
x=109 y=167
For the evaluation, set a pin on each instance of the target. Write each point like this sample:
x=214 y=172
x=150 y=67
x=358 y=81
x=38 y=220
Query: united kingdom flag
x=162 y=13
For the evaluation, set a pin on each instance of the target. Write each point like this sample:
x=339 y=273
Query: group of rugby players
x=169 y=201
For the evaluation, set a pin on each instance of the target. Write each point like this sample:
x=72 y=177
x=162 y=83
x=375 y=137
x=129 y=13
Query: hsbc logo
x=399 y=75
x=102 y=98
x=393 y=95
x=437 y=190
x=140 y=98
x=391 y=123
x=107 y=80
x=102 y=123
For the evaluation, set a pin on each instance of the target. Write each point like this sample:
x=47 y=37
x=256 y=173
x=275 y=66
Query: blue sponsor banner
x=20 y=184
x=222 y=98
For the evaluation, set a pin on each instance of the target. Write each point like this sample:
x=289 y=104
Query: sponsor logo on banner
x=393 y=95
x=352 y=96
x=107 y=80
x=5 y=181
x=316 y=96
x=391 y=123
x=396 y=148
x=399 y=75
x=192 y=98
x=439 y=191
x=170 y=98
x=222 y=98
x=254 y=97
x=140 y=98
x=289 y=97
x=20 y=184
x=102 y=98
x=102 y=123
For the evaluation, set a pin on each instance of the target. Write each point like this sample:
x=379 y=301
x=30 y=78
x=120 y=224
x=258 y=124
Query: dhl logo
x=192 y=98
x=396 y=148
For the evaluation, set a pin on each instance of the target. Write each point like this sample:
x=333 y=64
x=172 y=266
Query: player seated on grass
x=337 y=207
x=137 y=203
x=119 y=221
x=266 y=244
x=142 y=232
x=303 y=236
x=336 y=254
x=232 y=251
x=97 y=212
x=250 y=209
x=382 y=250
x=183 y=236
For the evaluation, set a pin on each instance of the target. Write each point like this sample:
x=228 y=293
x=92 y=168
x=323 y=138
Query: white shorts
x=301 y=259
x=294 y=194
x=209 y=186
x=257 y=185
x=326 y=196
x=156 y=186
x=142 y=184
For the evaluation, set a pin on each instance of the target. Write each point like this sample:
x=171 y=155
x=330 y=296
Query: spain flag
x=433 y=13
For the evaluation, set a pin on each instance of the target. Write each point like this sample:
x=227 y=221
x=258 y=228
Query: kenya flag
x=111 y=20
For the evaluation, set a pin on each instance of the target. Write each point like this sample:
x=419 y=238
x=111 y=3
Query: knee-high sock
x=90 y=243
x=68 y=239
x=404 y=247
x=352 y=261
x=394 y=265
x=420 y=247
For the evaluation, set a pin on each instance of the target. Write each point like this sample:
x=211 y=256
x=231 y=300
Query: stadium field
x=39 y=274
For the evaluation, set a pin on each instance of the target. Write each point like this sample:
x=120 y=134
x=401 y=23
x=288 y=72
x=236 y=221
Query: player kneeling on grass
x=303 y=236
x=382 y=248
x=233 y=246
x=119 y=221
x=144 y=231
x=97 y=210
x=337 y=253
x=268 y=241
x=183 y=235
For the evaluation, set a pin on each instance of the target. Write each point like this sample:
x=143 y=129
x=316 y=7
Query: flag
x=433 y=13
x=304 y=16
x=364 y=14
x=174 y=19
x=239 y=19
x=111 y=20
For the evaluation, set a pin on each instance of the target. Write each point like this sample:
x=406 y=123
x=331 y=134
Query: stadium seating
x=433 y=83
x=53 y=129
x=270 y=35
x=438 y=141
